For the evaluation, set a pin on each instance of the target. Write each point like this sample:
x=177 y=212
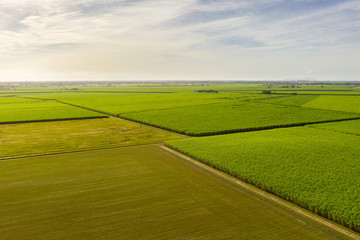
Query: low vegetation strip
x=131 y=193
x=67 y=136
x=18 y=110
x=313 y=168
x=234 y=116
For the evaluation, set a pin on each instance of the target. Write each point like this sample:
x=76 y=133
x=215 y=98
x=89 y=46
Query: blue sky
x=179 y=40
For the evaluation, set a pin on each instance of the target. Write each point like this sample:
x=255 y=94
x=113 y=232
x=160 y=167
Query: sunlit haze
x=179 y=40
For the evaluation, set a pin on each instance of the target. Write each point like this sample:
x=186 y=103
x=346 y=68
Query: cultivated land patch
x=131 y=193
x=316 y=169
x=339 y=103
x=234 y=116
x=14 y=110
x=65 y=136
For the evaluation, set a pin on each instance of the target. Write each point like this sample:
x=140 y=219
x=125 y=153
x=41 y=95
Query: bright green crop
x=234 y=116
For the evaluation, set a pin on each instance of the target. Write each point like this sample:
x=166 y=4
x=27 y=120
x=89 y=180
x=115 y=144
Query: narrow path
x=264 y=194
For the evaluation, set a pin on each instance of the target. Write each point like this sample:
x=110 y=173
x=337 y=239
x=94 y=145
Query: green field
x=65 y=136
x=27 y=110
x=338 y=103
x=131 y=193
x=233 y=116
x=314 y=168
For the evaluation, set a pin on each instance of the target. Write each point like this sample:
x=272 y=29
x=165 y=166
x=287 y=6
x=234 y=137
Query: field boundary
x=253 y=129
x=253 y=189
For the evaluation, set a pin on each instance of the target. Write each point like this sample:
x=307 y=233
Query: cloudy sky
x=187 y=39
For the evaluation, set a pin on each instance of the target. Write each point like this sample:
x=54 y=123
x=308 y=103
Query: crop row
x=230 y=131
x=234 y=116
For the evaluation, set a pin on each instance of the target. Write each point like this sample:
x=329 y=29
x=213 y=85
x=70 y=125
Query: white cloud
x=175 y=39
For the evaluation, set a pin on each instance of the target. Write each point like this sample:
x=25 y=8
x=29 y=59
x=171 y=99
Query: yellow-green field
x=65 y=136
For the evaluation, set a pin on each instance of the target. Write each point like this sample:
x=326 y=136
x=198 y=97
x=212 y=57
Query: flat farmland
x=314 y=168
x=233 y=116
x=27 y=110
x=74 y=135
x=105 y=176
x=131 y=193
